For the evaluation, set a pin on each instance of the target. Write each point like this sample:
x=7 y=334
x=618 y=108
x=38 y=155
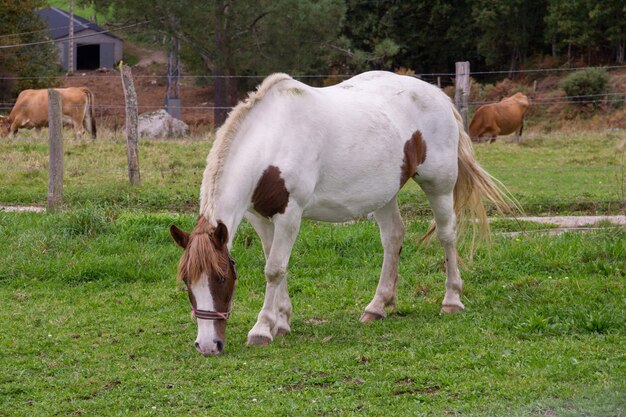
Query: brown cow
x=501 y=118
x=31 y=111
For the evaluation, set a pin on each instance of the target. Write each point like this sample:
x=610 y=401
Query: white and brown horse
x=291 y=151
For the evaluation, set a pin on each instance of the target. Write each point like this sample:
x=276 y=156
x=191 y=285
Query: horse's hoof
x=282 y=331
x=366 y=317
x=259 y=340
x=449 y=309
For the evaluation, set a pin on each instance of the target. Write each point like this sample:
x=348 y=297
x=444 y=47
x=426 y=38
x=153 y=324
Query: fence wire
x=121 y=173
x=608 y=98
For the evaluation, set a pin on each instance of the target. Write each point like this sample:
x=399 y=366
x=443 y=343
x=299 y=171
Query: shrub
x=588 y=82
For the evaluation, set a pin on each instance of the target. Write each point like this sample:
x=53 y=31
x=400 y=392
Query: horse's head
x=209 y=274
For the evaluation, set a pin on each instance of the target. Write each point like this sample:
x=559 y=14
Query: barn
x=94 y=47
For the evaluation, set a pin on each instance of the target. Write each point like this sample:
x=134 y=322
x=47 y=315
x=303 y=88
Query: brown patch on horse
x=414 y=155
x=270 y=195
x=206 y=252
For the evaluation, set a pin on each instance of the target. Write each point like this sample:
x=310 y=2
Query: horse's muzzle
x=216 y=348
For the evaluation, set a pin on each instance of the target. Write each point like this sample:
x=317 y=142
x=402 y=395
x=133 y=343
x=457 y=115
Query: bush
x=589 y=82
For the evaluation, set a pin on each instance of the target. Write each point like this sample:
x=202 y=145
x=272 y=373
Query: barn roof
x=58 y=22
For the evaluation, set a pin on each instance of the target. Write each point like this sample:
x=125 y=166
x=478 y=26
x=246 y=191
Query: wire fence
x=189 y=203
x=331 y=75
x=609 y=98
x=88 y=35
x=167 y=171
x=606 y=98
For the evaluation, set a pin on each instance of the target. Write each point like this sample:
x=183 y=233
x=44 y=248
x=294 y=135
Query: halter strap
x=210 y=315
x=216 y=315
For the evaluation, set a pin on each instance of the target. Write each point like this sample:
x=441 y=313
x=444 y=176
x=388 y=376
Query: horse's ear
x=180 y=236
x=221 y=234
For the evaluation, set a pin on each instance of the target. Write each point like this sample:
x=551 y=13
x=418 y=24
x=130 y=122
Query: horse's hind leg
x=445 y=218
x=265 y=229
x=391 y=235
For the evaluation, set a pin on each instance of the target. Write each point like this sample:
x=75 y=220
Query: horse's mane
x=223 y=139
x=200 y=255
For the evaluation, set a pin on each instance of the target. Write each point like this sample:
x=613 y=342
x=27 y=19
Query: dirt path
x=23 y=209
x=576 y=221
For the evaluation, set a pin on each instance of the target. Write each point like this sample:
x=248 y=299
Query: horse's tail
x=474 y=184
x=90 y=119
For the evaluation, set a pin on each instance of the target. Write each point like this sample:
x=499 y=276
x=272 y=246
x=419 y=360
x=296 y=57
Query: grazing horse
x=332 y=154
x=502 y=118
x=31 y=111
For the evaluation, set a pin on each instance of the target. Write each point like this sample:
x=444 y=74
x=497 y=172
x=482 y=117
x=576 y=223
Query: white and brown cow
x=31 y=111
x=502 y=118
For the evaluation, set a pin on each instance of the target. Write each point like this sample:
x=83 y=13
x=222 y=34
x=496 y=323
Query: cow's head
x=5 y=125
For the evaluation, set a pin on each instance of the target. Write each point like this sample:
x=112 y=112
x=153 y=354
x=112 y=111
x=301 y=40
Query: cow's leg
x=518 y=132
x=286 y=227
x=445 y=218
x=265 y=230
x=13 y=128
x=37 y=132
x=391 y=235
x=78 y=129
x=492 y=133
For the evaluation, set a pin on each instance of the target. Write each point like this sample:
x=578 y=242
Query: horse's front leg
x=275 y=315
x=265 y=229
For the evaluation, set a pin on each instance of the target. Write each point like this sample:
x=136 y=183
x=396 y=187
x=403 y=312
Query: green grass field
x=93 y=323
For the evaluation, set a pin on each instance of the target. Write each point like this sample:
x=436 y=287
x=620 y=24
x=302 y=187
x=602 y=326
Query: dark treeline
x=430 y=35
x=257 y=37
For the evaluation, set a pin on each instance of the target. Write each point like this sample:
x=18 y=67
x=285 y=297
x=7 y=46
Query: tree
x=508 y=31
x=20 y=25
x=228 y=38
x=609 y=17
x=428 y=35
x=588 y=26
x=568 y=25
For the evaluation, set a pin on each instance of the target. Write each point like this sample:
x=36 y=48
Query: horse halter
x=210 y=315
x=216 y=315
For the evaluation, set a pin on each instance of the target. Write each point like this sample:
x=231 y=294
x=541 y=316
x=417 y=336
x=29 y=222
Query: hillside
x=549 y=109
x=150 y=85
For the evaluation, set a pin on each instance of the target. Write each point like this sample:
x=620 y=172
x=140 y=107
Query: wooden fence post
x=131 y=125
x=462 y=84
x=55 y=175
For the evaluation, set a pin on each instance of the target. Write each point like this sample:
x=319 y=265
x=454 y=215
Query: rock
x=159 y=124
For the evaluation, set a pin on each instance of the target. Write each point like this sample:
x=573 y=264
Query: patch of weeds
x=84 y=221
x=536 y=323
x=600 y=321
